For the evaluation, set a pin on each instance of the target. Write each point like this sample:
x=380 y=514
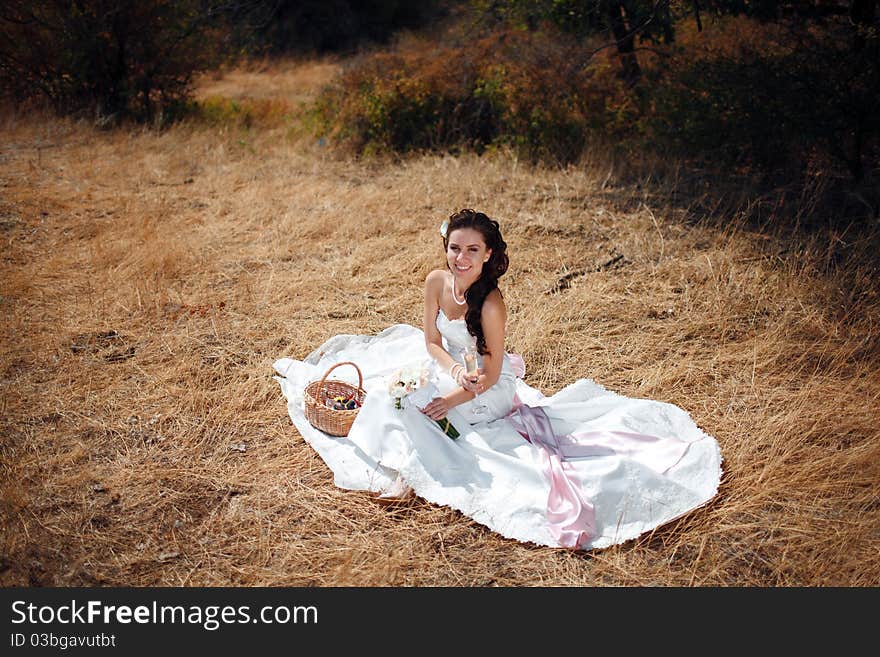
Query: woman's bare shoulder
x=495 y=299
x=436 y=277
x=494 y=305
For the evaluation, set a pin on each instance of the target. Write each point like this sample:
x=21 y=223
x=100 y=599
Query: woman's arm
x=494 y=321
x=434 y=283
x=439 y=407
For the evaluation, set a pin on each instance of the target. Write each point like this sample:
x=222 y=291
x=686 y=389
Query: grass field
x=150 y=279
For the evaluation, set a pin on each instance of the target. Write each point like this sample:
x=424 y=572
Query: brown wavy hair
x=493 y=269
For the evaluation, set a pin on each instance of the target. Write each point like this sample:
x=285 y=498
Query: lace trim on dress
x=446 y=317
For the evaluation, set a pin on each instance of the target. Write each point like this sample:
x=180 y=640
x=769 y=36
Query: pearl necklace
x=454 y=297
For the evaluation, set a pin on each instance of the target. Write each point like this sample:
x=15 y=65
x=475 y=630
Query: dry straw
x=150 y=279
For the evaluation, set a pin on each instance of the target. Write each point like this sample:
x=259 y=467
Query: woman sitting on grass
x=584 y=468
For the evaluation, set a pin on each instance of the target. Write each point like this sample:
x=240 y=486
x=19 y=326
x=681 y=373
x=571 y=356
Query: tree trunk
x=862 y=13
x=625 y=38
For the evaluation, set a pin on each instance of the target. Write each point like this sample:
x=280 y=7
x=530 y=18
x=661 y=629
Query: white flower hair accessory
x=444 y=228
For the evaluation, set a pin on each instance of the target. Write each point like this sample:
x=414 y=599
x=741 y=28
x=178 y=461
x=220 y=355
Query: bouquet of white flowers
x=415 y=385
x=404 y=382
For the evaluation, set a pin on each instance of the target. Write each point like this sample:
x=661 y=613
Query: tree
x=113 y=58
x=626 y=21
x=333 y=25
x=835 y=64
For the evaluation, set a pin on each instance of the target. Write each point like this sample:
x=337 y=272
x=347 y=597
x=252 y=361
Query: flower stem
x=448 y=429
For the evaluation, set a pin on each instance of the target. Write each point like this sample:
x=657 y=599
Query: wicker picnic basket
x=316 y=395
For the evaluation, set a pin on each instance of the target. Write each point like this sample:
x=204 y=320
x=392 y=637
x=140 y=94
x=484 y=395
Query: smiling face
x=466 y=253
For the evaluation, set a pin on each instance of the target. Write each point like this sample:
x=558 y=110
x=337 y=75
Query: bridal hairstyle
x=493 y=269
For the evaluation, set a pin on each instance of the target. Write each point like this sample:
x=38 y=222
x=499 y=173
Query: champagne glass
x=471 y=366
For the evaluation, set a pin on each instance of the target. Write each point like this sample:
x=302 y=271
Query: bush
x=113 y=59
x=777 y=108
x=538 y=93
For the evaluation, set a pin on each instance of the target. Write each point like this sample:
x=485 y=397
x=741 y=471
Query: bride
x=584 y=468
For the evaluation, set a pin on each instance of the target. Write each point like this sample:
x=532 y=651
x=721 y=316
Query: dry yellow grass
x=149 y=281
x=293 y=80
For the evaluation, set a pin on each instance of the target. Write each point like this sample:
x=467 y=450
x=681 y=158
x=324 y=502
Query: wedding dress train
x=583 y=468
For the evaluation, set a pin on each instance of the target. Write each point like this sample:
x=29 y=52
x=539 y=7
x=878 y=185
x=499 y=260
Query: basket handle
x=333 y=367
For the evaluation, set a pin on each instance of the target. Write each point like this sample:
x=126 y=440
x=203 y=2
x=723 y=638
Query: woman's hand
x=437 y=408
x=473 y=384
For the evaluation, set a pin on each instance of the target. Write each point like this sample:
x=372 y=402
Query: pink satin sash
x=570 y=513
x=518 y=364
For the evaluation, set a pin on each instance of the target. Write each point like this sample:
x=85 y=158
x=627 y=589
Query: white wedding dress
x=584 y=468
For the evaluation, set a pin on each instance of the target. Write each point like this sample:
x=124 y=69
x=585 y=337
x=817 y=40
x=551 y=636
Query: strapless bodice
x=455 y=334
x=456 y=339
